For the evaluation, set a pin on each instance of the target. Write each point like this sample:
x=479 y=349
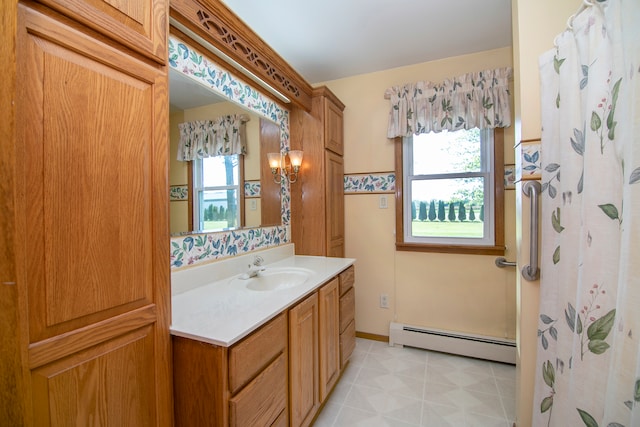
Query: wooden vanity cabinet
x=315 y=354
x=329 y=336
x=303 y=361
x=347 y=315
x=242 y=385
x=279 y=375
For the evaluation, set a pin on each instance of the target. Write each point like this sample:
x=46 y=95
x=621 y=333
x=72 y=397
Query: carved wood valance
x=219 y=26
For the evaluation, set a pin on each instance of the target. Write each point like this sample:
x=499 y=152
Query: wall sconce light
x=280 y=168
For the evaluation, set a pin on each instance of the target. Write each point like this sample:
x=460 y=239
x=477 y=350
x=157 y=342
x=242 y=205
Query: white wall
x=464 y=293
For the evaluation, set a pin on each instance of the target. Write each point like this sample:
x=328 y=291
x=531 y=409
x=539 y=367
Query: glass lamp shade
x=274 y=159
x=295 y=156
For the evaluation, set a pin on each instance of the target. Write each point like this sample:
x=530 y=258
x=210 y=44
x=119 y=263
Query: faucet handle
x=258 y=260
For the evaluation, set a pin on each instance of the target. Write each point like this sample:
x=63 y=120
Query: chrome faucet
x=255 y=268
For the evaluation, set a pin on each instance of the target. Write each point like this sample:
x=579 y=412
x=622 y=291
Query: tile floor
x=388 y=386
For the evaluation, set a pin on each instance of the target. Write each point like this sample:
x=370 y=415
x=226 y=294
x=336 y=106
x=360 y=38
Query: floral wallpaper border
x=386 y=182
x=252 y=189
x=370 y=183
x=509 y=177
x=187 y=250
x=192 y=249
x=531 y=166
x=178 y=193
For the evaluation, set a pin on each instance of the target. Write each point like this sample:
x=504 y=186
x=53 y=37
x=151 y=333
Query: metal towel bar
x=502 y=263
x=531 y=272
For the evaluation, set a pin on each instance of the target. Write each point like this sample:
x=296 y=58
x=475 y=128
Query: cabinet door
x=92 y=269
x=140 y=25
x=334 y=209
x=303 y=361
x=329 y=334
x=333 y=128
x=200 y=386
x=347 y=342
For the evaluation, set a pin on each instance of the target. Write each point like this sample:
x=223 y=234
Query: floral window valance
x=222 y=136
x=472 y=100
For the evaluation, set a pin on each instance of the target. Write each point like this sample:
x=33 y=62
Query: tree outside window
x=450 y=179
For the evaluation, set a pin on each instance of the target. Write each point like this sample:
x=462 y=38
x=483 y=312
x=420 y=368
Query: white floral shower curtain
x=588 y=364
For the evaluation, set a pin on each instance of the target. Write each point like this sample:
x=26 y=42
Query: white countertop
x=224 y=311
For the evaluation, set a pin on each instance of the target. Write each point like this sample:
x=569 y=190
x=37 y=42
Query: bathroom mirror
x=258 y=199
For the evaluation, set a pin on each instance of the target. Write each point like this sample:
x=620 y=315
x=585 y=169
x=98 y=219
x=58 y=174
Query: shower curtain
x=588 y=361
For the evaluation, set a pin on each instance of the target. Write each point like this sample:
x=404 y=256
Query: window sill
x=451 y=249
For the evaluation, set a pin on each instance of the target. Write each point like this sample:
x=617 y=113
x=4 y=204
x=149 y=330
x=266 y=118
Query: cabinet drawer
x=347 y=342
x=263 y=400
x=347 y=308
x=347 y=278
x=254 y=353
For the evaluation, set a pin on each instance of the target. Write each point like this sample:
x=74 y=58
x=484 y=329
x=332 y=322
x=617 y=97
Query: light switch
x=253 y=204
x=383 y=202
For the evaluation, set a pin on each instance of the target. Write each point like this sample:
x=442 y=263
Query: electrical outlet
x=382 y=203
x=384 y=301
x=253 y=205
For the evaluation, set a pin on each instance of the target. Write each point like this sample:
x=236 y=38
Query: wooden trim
x=374 y=337
x=219 y=26
x=55 y=348
x=451 y=249
x=326 y=92
x=369 y=173
x=241 y=198
x=498 y=248
x=14 y=377
x=498 y=177
x=191 y=194
x=364 y=193
x=196 y=43
x=145 y=35
x=399 y=194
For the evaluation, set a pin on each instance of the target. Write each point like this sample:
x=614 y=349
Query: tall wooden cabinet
x=317 y=199
x=86 y=324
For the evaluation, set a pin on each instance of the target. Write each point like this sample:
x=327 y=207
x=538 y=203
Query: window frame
x=497 y=248
x=194 y=169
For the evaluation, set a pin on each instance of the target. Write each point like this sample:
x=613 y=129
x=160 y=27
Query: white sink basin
x=275 y=279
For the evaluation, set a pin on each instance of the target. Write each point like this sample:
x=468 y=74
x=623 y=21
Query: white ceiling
x=186 y=93
x=332 y=39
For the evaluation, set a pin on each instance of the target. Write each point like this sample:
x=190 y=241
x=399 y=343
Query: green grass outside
x=419 y=228
x=215 y=225
x=447 y=229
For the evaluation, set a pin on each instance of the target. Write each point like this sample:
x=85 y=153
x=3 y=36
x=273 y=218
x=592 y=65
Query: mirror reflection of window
x=216 y=185
x=260 y=201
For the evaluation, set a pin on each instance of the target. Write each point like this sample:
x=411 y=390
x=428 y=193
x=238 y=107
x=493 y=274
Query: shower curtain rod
x=584 y=6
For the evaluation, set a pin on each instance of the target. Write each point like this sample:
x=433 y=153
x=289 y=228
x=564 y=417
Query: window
x=216 y=193
x=450 y=198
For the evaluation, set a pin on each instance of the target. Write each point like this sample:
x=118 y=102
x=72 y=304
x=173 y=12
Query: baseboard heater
x=478 y=346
